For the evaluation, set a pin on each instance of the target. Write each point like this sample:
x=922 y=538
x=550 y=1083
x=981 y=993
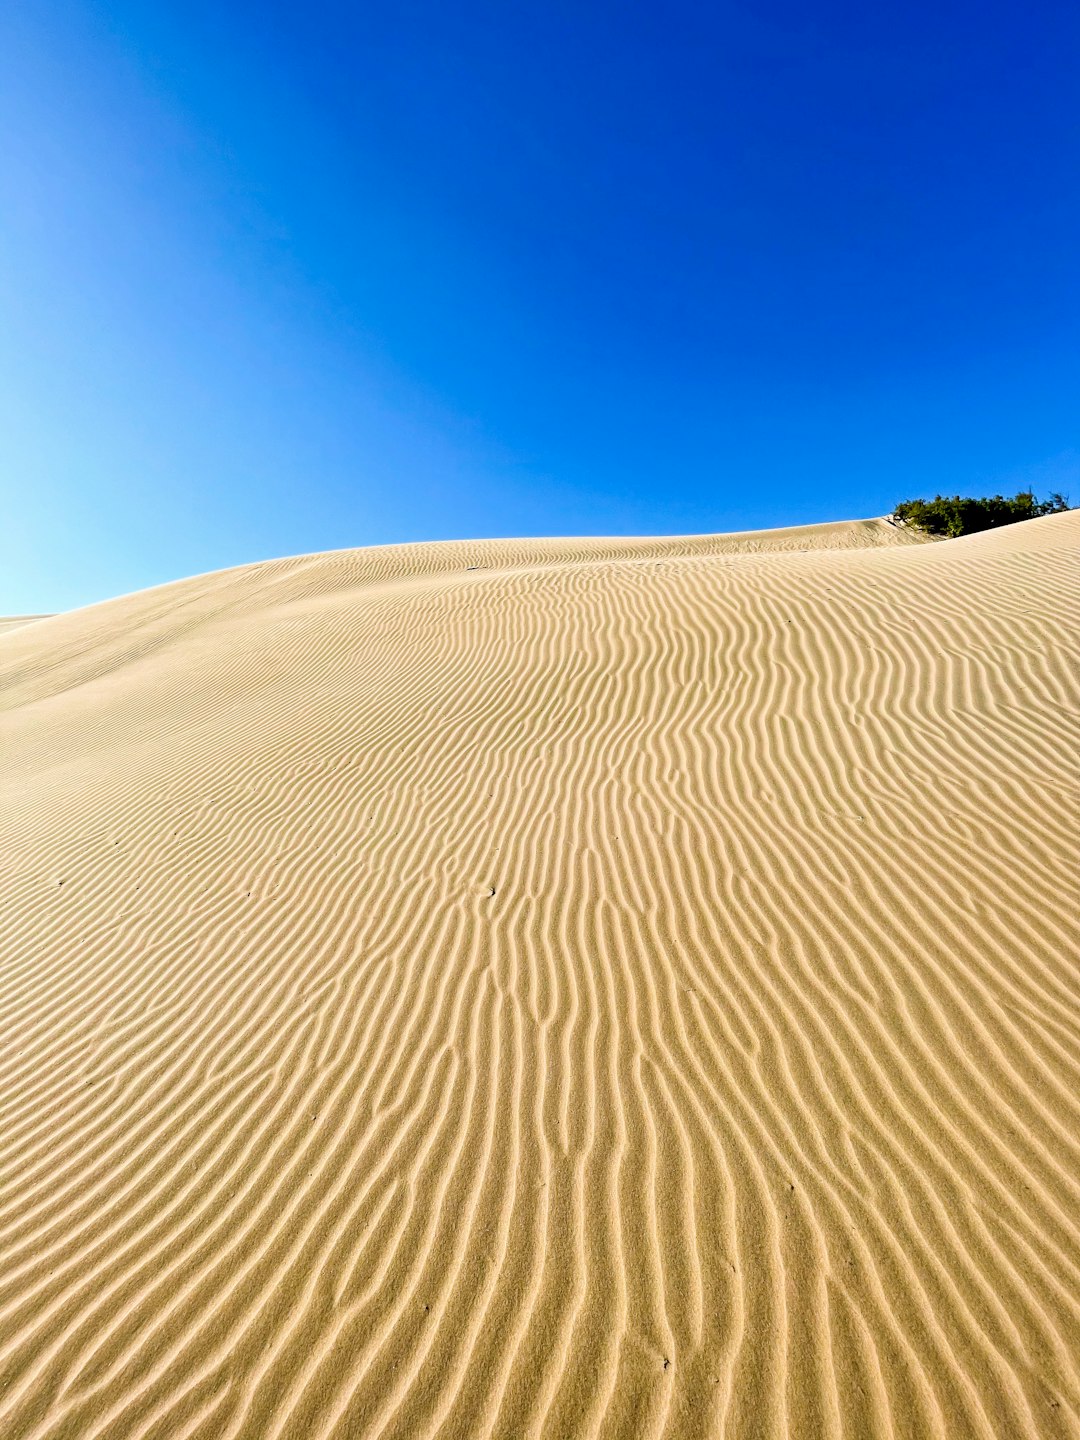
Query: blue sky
x=280 y=278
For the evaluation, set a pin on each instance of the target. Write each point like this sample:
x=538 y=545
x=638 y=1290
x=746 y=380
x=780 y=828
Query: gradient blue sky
x=278 y=278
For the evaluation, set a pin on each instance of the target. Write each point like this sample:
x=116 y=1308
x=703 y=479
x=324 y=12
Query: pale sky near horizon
x=276 y=279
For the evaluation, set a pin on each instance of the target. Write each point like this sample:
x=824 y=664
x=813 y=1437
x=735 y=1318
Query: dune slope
x=13 y=622
x=565 y=988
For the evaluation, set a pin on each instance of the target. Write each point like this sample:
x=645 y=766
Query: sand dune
x=12 y=622
x=548 y=988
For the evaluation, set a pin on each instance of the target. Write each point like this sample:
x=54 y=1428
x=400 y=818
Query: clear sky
x=286 y=277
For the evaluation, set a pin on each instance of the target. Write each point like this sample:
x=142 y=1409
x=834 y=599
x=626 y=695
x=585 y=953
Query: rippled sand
x=557 y=988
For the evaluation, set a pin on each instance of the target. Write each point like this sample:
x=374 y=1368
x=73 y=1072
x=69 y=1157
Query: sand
x=13 y=622
x=548 y=988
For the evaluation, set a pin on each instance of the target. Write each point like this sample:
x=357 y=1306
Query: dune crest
x=548 y=988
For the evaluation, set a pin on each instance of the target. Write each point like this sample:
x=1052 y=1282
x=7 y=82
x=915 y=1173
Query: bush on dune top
x=953 y=515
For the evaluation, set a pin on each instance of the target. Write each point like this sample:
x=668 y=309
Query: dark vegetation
x=962 y=515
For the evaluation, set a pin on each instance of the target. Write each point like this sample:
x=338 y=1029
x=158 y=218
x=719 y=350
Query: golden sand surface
x=12 y=622
x=548 y=988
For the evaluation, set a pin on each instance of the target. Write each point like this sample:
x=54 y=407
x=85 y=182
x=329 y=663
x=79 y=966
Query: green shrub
x=962 y=515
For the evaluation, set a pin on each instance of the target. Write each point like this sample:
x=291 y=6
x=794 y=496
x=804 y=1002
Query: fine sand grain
x=557 y=988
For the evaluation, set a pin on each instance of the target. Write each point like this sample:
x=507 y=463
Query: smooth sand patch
x=13 y=622
x=563 y=988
